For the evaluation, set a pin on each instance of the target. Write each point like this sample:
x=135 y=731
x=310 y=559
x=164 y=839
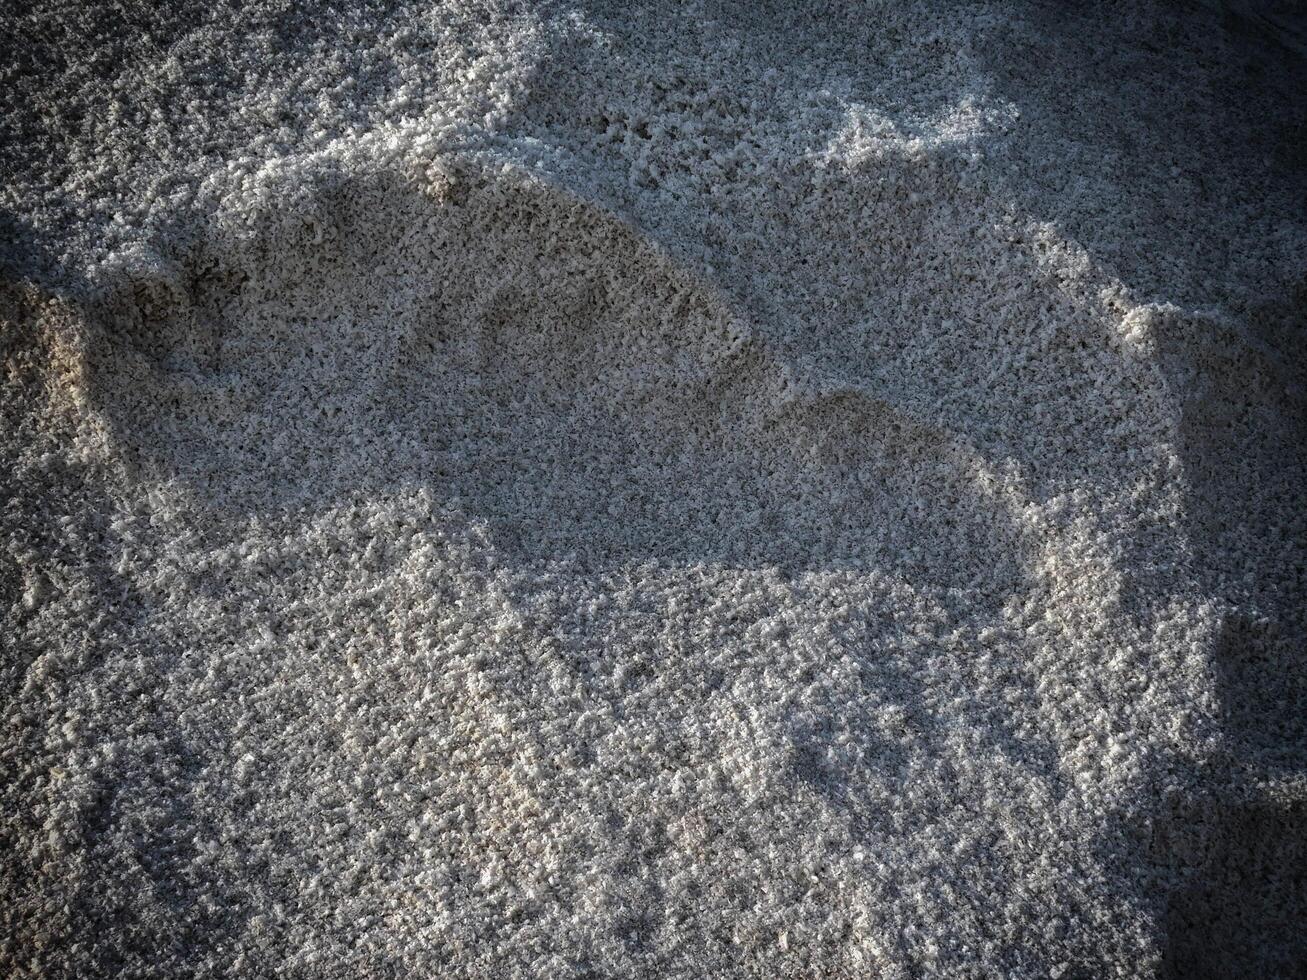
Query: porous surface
x=679 y=490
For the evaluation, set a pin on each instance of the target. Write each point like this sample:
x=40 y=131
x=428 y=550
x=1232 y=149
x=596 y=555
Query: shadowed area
x=1241 y=892
x=582 y=398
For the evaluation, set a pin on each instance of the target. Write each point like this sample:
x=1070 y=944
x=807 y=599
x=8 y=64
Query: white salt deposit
x=699 y=490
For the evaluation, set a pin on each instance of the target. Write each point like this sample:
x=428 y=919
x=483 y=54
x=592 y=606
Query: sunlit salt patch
x=868 y=133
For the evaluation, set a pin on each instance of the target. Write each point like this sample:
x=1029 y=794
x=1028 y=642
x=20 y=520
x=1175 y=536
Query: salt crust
x=623 y=493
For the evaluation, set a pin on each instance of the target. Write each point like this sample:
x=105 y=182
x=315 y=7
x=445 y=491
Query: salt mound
x=716 y=492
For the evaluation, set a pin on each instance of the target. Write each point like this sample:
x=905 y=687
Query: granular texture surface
x=653 y=490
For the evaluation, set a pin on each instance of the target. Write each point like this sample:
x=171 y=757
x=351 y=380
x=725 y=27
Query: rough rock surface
x=606 y=490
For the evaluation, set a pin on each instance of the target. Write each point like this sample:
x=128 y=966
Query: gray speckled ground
x=767 y=489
